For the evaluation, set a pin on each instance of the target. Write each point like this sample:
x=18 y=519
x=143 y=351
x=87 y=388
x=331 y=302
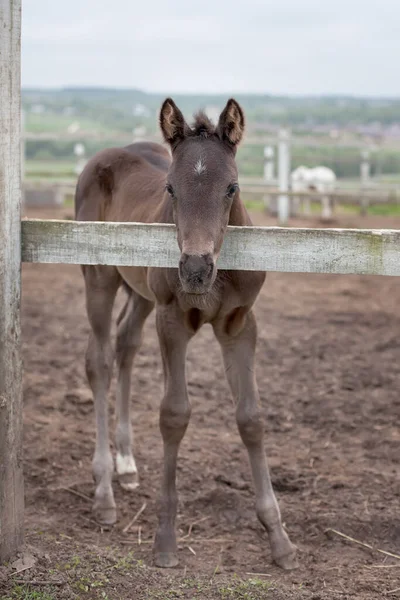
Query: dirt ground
x=328 y=373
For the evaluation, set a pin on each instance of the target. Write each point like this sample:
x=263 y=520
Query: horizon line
x=336 y=95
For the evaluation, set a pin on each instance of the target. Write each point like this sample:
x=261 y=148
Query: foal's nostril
x=196 y=269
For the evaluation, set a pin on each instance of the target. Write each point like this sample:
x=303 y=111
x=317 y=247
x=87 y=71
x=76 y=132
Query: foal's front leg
x=174 y=419
x=101 y=287
x=238 y=353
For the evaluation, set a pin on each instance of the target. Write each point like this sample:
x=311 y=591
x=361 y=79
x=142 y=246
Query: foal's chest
x=136 y=278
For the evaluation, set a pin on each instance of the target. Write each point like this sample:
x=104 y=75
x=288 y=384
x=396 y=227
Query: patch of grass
x=58 y=123
x=251 y=589
x=126 y=563
x=25 y=592
x=199 y=589
x=385 y=210
x=50 y=169
x=84 y=572
x=193 y=588
x=254 y=204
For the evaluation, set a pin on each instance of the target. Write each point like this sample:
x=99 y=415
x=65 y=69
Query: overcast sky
x=279 y=47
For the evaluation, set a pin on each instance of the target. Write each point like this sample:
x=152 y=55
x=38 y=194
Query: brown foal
x=197 y=190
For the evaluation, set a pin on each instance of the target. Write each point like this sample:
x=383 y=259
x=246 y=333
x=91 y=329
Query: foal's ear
x=172 y=123
x=231 y=123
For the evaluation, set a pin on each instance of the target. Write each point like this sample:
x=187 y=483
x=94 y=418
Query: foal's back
x=123 y=184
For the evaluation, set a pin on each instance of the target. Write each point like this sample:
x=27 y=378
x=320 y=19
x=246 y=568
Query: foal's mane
x=202 y=126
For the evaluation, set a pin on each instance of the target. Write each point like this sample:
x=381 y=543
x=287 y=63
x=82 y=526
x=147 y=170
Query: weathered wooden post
x=11 y=477
x=365 y=180
x=283 y=175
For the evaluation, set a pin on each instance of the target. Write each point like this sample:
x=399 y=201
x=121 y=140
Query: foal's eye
x=231 y=191
x=170 y=189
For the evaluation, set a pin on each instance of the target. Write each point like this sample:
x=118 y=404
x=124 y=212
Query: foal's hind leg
x=101 y=287
x=238 y=353
x=129 y=337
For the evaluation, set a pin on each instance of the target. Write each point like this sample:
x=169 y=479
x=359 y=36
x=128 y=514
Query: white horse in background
x=319 y=179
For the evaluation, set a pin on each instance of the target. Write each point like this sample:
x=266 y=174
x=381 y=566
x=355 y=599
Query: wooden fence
x=292 y=250
x=44 y=193
x=253 y=248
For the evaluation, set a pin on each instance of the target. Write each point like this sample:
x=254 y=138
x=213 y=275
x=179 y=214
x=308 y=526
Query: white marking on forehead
x=200 y=166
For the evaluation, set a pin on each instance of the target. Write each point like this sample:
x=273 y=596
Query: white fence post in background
x=80 y=151
x=365 y=168
x=283 y=175
x=269 y=173
x=365 y=171
x=326 y=207
x=11 y=474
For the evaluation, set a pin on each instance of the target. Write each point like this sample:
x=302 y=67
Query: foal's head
x=202 y=185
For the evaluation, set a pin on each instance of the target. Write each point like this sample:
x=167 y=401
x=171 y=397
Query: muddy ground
x=328 y=373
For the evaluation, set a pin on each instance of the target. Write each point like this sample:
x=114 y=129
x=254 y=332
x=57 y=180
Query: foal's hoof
x=129 y=481
x=288 y=562
x=166 y=560
x=105 y=516
x=127 y=473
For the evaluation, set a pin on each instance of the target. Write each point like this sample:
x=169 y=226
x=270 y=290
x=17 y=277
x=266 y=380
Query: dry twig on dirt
x=350 y=539
x=135 y=518
x=189 y=533
x=75 y=492
x=393 y=591
x=41 y=583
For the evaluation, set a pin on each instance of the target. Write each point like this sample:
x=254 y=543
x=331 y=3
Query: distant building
x=139 y=110
x=74 y=127
x=139 y=132
x=69 y=111
x=38 y=109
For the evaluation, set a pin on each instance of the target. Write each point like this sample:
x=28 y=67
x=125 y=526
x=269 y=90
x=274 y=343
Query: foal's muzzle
x=196 y=273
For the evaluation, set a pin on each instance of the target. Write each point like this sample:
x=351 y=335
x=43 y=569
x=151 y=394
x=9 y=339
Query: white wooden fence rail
x=357 y=251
